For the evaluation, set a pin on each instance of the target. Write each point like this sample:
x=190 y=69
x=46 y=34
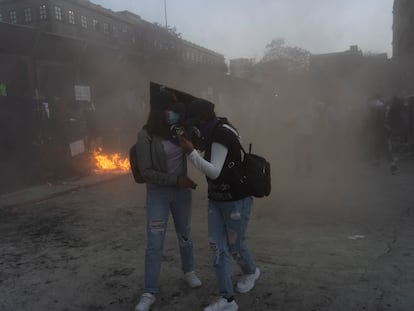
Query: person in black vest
x=229 y=206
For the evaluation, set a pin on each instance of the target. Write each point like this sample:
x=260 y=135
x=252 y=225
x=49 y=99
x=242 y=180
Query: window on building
x=71 y=17
x=13 y=17
x=106 y=28
x=95 y=24
x=28 y=15
x=115 y=31
x=84 y=22
x=58 y=13
x=42 y=12
x=3 y=88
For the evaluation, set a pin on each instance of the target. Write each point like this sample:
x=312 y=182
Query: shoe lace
x=145 y=299
x=190 y=275
x=244 y=279
x=216 y=303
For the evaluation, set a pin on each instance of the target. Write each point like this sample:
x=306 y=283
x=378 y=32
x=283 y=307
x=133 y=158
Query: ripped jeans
x=227 y=224
x=160 y=200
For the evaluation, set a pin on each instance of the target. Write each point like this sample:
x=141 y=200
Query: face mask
x=172 y=117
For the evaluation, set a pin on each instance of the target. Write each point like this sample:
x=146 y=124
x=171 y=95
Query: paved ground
x=336 y=241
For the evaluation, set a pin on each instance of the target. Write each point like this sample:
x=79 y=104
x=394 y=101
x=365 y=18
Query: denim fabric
x=227 y=225
x=160 y=201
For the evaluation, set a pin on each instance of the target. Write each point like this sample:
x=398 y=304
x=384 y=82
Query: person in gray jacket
x=162 y=163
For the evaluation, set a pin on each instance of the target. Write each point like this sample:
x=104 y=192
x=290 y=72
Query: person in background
x=162 y=164
x=376 y=128
x=229 y=206
x=410 y=103
x=396 y=127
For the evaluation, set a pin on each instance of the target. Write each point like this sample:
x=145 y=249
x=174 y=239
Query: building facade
x=403 y=29
x=50 y=47
x=54 y=45
x=351 y=72
x=84 y=20
x=403 y=44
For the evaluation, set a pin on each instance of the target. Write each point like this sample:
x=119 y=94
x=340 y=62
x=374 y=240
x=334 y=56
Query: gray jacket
x=152 y=161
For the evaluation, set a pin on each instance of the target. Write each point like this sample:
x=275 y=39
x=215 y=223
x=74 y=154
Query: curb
x=48 y=191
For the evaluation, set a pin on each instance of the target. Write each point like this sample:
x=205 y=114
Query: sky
x=243 y=28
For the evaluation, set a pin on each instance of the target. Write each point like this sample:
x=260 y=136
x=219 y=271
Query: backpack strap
x=244 y=151
x=242 y=178
x=237 y=134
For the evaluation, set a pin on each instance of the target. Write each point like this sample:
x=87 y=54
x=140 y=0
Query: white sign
x=82 y=92
x=46 y=107
x=77 y=147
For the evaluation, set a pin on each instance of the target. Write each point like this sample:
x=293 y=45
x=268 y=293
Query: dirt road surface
x=322 y=243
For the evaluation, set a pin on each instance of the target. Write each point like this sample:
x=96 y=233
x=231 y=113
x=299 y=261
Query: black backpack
x=133 y=162
x=256 y=174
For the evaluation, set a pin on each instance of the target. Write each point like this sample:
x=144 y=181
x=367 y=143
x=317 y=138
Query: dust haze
x=298 y=79
x=309 y=124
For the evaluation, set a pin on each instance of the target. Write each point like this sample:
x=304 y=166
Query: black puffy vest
x=226 y=187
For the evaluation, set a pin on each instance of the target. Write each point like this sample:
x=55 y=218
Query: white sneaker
x=144 y=304
x=192 y=280
x=222 y=305
x=247 y=281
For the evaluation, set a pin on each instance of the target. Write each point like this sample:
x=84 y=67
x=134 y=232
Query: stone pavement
x=337 y=241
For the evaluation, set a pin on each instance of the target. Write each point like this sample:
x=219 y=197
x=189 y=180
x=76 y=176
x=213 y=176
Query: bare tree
x=293 y=58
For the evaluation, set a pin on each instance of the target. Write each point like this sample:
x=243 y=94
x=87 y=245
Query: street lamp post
x=165 y=13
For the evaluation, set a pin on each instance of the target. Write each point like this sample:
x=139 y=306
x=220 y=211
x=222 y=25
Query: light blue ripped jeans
x=227 y=224
x=160 y=200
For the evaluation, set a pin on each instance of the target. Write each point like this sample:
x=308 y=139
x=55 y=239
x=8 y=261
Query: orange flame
x=110 y=162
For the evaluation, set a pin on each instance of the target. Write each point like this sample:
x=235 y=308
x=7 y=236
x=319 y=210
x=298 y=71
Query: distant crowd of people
x=390 y=130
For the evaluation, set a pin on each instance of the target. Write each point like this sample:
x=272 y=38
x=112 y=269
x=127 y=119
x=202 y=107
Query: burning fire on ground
x=110 y=163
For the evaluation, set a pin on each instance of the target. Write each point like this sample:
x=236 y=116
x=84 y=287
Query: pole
x=165 y=13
